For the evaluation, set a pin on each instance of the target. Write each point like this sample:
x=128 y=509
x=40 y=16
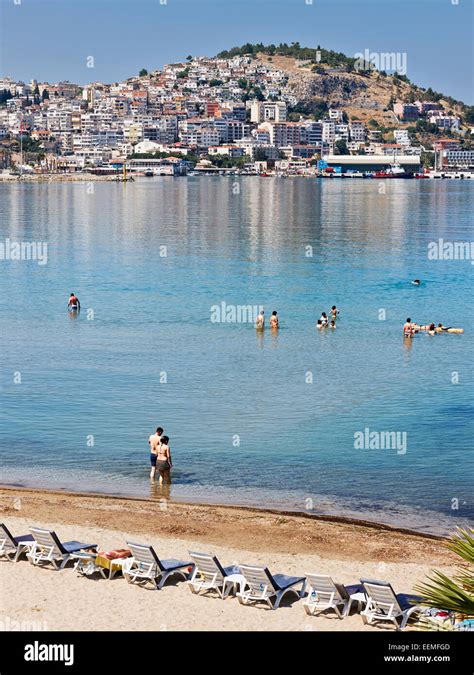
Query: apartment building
x=401 y=136
x=406 y=111
x=357 y=131
x=444 y=121
x=267 y=111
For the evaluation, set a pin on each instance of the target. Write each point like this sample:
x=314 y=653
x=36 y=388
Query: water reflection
x=160 y=492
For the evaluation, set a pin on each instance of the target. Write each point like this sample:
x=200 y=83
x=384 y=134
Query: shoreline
x=295 y=544
x=252 y=508
x=342 y=520
x=112 y=178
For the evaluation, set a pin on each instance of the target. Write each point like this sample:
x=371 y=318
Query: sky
x=51 y=40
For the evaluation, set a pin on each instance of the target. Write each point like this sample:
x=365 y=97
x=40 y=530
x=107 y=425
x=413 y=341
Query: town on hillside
x=231 y=114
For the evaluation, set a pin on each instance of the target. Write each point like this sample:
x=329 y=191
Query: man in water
x=73 y=302
x=274 y=321
x=260 y=325
x=324 y=319
x=154 y=442
x=408 y=328
x=416 y=282
x=334 y=312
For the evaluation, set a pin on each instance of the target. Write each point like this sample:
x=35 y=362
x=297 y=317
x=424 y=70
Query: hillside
x=319 y=75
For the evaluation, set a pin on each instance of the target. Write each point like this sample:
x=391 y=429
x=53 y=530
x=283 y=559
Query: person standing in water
x=334 y=312
x=154 y=442
x=260 y=324
x=73 y=303
x=408 y=328
x=163 y=460
x=324 y=319
x=274 y=324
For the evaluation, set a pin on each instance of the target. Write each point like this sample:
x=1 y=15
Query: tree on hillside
x=341 y=147
x=189 y=57
x=469 y=115
x=45 y=94
x=258 y=94
x=143 y=72
x=5 y=95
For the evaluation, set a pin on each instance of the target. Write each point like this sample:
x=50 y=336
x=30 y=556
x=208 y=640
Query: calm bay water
x=99 y=377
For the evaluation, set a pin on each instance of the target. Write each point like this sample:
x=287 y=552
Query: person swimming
x=324 y=319
x=260 y=323
x=332 y=324
x=430 y=330
x=319 y=324
x=408 y=329
x=416 y=282
x=443 y=329
x=274 y=323
x=73 y=303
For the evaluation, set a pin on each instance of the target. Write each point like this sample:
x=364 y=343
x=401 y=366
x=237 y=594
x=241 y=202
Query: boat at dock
x=394 y=171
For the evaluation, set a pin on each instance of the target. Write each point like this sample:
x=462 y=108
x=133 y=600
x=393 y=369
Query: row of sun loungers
x=204 y=573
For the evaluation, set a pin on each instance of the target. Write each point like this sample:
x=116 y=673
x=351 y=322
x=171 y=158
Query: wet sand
x=287 y=543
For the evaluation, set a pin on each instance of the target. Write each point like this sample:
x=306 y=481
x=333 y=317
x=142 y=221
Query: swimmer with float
x=442 y=329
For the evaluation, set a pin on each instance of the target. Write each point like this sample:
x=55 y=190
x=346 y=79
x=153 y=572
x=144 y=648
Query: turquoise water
x=246 y=424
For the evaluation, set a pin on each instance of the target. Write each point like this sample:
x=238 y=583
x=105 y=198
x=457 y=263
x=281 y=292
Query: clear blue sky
x=51 y=39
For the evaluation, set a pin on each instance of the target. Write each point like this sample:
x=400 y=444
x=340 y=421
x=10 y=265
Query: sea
x=355 y=421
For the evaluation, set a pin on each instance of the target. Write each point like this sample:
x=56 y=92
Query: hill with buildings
x=251 y=104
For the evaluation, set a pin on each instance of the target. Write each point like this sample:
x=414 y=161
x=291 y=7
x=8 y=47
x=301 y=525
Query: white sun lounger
x=324 y=594
x=147 y=566
x=209 y=574
x=383 y=604
x=262 y=586
x=47 y=548
x=13 y=547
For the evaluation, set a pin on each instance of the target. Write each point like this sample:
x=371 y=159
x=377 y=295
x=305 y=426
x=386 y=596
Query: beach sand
x=287 y=543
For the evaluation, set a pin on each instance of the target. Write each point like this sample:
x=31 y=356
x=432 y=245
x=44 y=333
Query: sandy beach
x=287 y=543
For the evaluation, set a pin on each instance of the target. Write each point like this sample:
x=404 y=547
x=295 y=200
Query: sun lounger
x=209 y=574
x=262 y=586
x=47 y=548
x=324 y=594
x=13 y=547
x=146 y=566
x=383 y=604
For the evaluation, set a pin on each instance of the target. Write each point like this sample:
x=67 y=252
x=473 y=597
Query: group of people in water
x=411 y=328
x=325 y=322
x=322 y=322
x=160 y=456
x=260 y=322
